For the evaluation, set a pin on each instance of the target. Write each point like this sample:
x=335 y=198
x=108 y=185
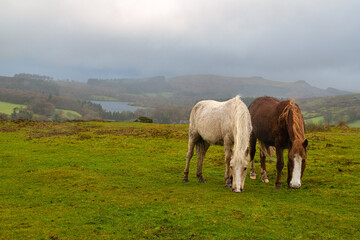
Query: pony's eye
x=245 y=168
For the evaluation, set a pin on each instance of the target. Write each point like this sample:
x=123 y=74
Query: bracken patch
x=142 y=132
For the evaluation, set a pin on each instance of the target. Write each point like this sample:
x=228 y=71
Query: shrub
x=313 y=127
x=4 y=116
x=342 y=125
x=144 y=120
x=20 y=113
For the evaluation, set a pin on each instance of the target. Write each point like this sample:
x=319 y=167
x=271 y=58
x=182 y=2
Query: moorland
x=101 y=180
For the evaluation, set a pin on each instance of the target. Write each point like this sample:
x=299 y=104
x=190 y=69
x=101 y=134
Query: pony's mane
x=243 y=127
x=297 y=120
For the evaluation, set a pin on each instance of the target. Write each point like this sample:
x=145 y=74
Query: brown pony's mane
x=294 y=121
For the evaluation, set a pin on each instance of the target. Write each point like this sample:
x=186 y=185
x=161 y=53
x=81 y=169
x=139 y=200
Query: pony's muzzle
x=237 y=190
x=295 y=186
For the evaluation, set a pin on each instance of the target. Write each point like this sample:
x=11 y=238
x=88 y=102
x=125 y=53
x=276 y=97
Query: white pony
x=221 y=123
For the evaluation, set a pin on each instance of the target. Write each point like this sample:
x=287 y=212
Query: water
x=117 y=106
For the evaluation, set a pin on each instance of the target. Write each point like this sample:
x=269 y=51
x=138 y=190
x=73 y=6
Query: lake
x=117 y=106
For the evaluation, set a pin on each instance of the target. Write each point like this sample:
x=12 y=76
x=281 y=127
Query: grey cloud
x=315 y=41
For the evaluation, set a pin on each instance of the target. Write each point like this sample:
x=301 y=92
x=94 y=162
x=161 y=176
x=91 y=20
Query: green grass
x=163 y=94
x=68 y=114
x=7 y=108
x=124 y=181
x=315 y=120
x=333 y=108
x=355 y=124
x=103 y=98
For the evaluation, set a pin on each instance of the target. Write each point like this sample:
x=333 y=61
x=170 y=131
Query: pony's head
x=238 y=165
x=296 y=162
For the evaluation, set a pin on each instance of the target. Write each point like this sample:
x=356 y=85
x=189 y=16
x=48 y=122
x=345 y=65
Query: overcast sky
x=286 y=40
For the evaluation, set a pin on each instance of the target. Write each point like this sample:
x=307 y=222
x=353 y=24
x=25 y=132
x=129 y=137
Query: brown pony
x=279 y=124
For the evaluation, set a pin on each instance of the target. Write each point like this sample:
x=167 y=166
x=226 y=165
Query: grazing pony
x=279 y=124
x=221 y=123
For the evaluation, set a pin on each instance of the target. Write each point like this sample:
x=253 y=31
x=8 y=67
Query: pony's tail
x=268 y=151
x=243 y=124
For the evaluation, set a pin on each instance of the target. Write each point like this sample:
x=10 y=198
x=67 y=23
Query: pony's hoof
x=253 y=176
x=201 y=179
x=228 y=186
x=265 y=180
x=185 y=180
x=278 y=186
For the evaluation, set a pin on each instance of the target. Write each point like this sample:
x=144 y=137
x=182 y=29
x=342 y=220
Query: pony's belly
x=267 y=140
x=219 y=142
x=212 y=135
x=214 y=141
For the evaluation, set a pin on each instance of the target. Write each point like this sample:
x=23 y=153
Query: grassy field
x=68 y=114
x=316 y=120
x=355 y=124
x=163 y=94
x=7 y=108
x=89 y=180
x=103 y=98
x=333 y=108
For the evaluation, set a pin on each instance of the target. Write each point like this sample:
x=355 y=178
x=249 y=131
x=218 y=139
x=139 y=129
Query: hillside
x=331 y=110
x=37 y=97
x=219 y=86
x=213 y=86
x=181 y=87
x=124 y=181
x=167 y=100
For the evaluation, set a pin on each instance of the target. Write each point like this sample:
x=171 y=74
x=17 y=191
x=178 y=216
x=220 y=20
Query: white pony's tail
x=242 y=124
x=268 y=151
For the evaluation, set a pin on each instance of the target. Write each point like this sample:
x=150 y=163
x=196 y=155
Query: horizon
x=185 y=75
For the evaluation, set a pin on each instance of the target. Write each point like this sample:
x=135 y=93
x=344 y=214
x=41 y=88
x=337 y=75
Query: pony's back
x=211 y=120
x=271 y=117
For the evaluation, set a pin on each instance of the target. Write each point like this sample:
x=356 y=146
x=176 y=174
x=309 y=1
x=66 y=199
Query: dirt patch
x=143 y=132
x=15 y=125
x=55 y=131
x=50 y=129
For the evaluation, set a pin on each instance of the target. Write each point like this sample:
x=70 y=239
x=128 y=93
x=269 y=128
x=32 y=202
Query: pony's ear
x=305 y=143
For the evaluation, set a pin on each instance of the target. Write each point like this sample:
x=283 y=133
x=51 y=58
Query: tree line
x=45 y=104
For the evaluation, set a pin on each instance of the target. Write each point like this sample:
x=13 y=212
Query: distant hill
x=171 y=99
x=214 y=86
x=39 y=97
x=332 y=109
x=31 y=83
x=221 y=87
x=195 y=86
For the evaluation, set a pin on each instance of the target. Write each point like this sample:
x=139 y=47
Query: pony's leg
x=264 y=177
x=190 y=153
x=288 y=178
x=228 y=153
x=279 y=166
x=201 y=148
x=252 y=155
